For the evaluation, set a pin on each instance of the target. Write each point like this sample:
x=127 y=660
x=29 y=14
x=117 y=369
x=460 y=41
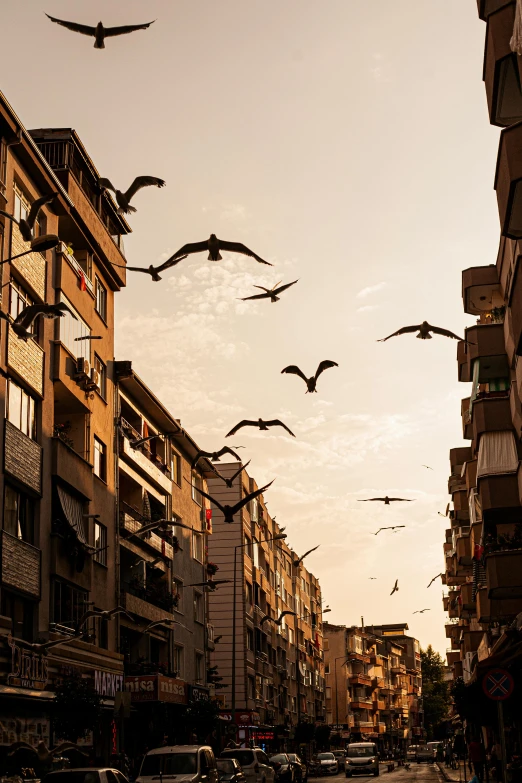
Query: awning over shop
x=497 y=454
x=26 y=693
x=73 y=512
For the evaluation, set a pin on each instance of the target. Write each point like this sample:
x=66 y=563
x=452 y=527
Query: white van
x=361 y=759
x=185 y=763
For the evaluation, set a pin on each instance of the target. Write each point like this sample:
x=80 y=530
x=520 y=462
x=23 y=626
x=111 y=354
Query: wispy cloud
x=371 y=289
x=367 y=308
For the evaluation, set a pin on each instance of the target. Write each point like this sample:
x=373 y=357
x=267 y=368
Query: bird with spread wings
x=424 y=330
x=392 y=527
x=214 y=455
x=27 y=224
x=230 y=481
x=211 y=584
x=421 y=611
x=105 y=614
x=299 y=560
x=446 y=512
x=213 y=245
x=164 y=621
x=22 y=323
x=386 y=500
x=395 y=587
x=269 y=293
x=263 y=425
x=311 y=383
x=435 y=578
x=123 y=199
x=100 y=33
x=41 y=648
x=153 y=271
x=230 y=511
x=268 y=619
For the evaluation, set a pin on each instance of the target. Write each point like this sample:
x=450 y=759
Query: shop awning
x=73 y=511
x=26 y=693
x=497 y=454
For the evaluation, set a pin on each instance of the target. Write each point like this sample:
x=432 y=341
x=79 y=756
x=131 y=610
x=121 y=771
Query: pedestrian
x=476 y=758
x=495 y=759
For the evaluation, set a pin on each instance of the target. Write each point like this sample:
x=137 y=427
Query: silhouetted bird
x=230 y=481
x=424 y=330
x=211 y=584
x=427 y=466
x=123 y=199
x=26 y=318
x=392 y=527
x=229 y=511
x=263 y=425
x=165 y=621
x=270 y=293
x=100 y=33
x=395 y=587
x=152 y=270
x=134 y=444
x=279 y=620
x=311 y=383
x=26 y=225
x=214 y=245
x=299 y=560
x=386 y=500
x=447 y=511
x=421 y=611
x=106 y=614
x=435 y=578
x=39 y=649
x=214 y=455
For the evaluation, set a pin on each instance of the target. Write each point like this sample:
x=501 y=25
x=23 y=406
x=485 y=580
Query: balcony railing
x=75 y=266
x=132 y=434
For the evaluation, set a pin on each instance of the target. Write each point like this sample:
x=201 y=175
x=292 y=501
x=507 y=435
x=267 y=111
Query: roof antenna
x=362 y=623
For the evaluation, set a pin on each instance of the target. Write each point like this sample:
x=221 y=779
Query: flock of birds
x=23 y=325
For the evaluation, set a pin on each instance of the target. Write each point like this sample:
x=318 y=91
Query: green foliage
x=322 y=736
x=436 y=697
x=77 y=709
x=202 y=718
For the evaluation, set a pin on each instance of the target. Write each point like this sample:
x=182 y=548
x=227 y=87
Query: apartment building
x=57 y=480
x=272 y=674
x=483 y=541
x=373 y=684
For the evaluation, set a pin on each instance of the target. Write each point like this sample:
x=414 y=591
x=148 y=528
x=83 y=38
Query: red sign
x=242 y=718
x=208 y=518
x=156 y=687
x=498 y=684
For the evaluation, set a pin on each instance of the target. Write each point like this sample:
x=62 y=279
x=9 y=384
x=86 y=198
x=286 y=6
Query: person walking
x=476 y=757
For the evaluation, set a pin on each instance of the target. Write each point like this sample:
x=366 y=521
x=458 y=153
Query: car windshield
x=281 y=758
x=293 y=757
x=73 y=776
x=168 y=764
x=226 y=765
x=245 y=757
x=326 y=757
x=361 y=752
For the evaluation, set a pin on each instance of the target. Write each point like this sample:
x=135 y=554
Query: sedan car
x=285 y=770
x=300 y=767
x=325 y=764
x=229 y=771
x=86 y=775
x=340 y=755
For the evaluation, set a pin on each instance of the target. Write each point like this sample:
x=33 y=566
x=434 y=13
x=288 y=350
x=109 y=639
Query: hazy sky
x=347 y=142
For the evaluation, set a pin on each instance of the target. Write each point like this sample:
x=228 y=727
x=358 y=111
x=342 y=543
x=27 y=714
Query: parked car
x=424 y=753
x=254 y=763
x=340 y=755
x=229 y=771
x=86 y=775
x=285 y=771
x=411 y=752
x=194 y=762
x=433 y=746
x=301 y=768
x=361 y=759
x=325 y=764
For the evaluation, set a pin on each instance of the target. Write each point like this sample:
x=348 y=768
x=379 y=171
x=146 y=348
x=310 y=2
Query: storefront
x=158 y=706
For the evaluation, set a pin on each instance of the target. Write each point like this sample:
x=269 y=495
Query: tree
x=436 y=698
x=77 y=709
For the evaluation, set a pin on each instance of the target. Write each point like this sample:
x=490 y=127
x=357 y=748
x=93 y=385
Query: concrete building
x=273 y=674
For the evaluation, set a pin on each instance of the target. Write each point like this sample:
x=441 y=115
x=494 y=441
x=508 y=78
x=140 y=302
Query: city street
x=418 y=773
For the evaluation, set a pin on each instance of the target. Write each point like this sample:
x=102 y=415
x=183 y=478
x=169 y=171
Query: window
x=290 y=635
x=256 y=552
x=18 y=299
x=101 y=299
x=20 y=409
x=198 y=607
x=248 y=546
x=254 y=510
x=21 y=210
x=250 y=639
x=249 y=594
x=177 y=589
x=198 y=552
x=101 y=369
x=3 y=164
x=175 y=467
x=251 y=688
x=100 y=543
x=327 y=668
x=18 y=514
x=197 y=483
x=100 y=459
x=71 y=328
x=178 y=660
x=200 y=667
x=69 y=604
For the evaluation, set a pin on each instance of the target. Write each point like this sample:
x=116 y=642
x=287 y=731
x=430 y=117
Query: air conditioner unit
x=95 y=377
x=82 y=368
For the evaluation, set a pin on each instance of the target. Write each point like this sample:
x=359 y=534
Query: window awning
x=73 y=512
x=497 y=454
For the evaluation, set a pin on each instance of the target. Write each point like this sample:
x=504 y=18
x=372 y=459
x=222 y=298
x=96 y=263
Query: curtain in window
x=73 y=511
x=497 y=454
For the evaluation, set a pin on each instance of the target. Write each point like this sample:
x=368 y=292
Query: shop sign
x=198 y=693
x=29 y=730
x=28 y=669
x=107 y=683
x=156 y=687
x=264 y=735
x=242 y=718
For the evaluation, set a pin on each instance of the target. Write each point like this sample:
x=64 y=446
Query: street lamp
x=335 y=679
x=278 y=537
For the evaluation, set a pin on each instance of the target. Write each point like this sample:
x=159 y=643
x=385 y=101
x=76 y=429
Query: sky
x=348 y=144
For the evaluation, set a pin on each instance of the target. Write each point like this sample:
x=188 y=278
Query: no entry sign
x=498 y=684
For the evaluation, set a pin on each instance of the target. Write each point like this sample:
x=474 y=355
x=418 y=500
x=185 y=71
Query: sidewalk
x=454 y=775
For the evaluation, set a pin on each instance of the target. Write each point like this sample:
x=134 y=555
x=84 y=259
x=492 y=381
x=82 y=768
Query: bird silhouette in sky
x=424 y=330
x=392 y=527
x=123 y=199
x=230 y=481
x=153 y=271
x=106 y=614
x=421 y=611
x=446 y=513
x=270 y=293
x=299 y=560
x=372 y=577
x=211 y=584
x=435 y=578
x=214 y=455
x=22 y=323
x=27 y=224
x=42 y=648
x=268 y=619
x=100 y=33
x=427 y=466
x=395 y=587
x=386 y=500
x=214 y=245
x=311 y=383
x=165 y=621
x=263 y=425
x=229 y=511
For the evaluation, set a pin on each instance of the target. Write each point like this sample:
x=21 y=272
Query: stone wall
x=20 y=565
x=27 y=359
x=32 y=266
x=23 y=458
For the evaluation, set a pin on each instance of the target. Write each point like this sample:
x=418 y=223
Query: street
x=418 y=773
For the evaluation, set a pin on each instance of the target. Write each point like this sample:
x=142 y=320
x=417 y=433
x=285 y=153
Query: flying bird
x=427 y=466
x=270 y=293
x=26 y=225
x=230 y=481
x=88 y=337
x=134 y=444
x=299 y=560
x=372 y=577
x=392 y=527
x=214 y=455
x=279 y=620
x=165 y=621
x=421 y=611
x=40 y=649
x=100 y=33
x=395 y=587
x=424 y=330
x=26 y=318
x=386 y=500
x=435 y=578
x=218 y=638
x=229 y=511
x=214 y=245
x=106 y=614
x=263 y=425
x=446 y=513
x=211 y=584
x=152 y=270
x=123 y=199
x=311 y=383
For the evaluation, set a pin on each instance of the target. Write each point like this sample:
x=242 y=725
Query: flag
x=208 y=519
x=82 y=284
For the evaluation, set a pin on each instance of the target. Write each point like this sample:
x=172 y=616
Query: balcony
x=504 y=574
x=131 y=525
x=378 y=705
x=471 y=641
x=22 y=457
x=501 y=69
x=508 y=181
x=452 y=657
x=481 y=289
x=362 y=724
x=21 y=565
x=63 y=256
x=360 y=679
x=378 y=682
x=491 y=414
x=500 y=498
x=458 y=457
x=27 y=360
x=153 y=469
x=72 y=468
x=360 y=703
x=488 y=7
x=463 y=548
x=142 y=608
x=463 y=362
x=466 y=595
x=401 y=669
x=467 y=429
x=487 y=341
x=495 y=610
